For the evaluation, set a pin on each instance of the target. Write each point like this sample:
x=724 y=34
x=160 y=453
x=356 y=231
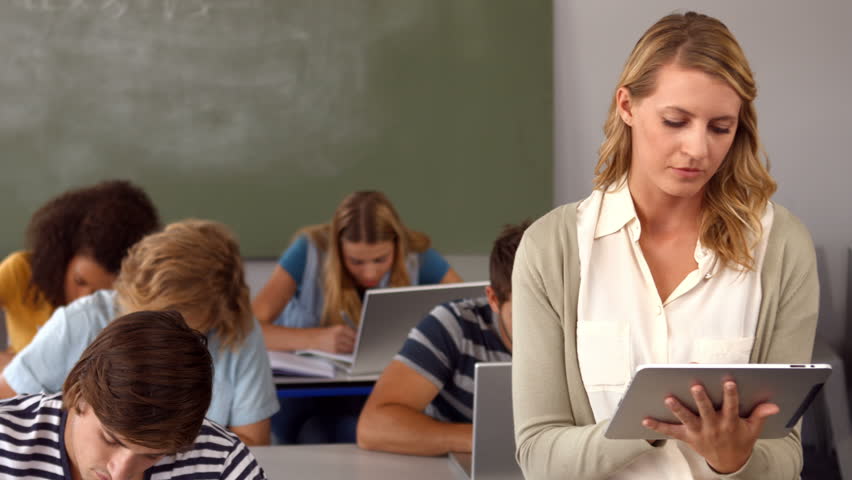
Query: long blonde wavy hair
x=736 y=196
x=194 y=267
x=368 y=217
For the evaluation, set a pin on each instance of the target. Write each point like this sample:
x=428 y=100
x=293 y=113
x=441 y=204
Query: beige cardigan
x=555 y=432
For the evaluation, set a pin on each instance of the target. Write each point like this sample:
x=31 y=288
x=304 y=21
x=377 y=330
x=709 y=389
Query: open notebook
x=290 y=364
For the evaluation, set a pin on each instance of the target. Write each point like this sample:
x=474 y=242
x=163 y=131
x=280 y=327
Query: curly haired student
x=194 y=267
x=74 y=246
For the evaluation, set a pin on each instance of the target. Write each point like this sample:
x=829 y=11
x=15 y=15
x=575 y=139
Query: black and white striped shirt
x=32 y=446
x=445 y=347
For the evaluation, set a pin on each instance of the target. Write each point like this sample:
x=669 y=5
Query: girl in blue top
x=313 y=298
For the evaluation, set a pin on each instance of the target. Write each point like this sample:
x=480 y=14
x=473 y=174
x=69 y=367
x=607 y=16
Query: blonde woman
x=313 y=298
x=677 y=256
x=193 y=267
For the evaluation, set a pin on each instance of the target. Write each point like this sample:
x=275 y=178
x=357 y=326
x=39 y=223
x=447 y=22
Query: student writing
x=324 y=273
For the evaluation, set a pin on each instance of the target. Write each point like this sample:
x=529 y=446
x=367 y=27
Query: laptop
x=493 y=456
x=387 y=316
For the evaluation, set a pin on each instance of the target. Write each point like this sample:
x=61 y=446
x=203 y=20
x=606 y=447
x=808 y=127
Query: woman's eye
x=673 y=124
x=721 y=130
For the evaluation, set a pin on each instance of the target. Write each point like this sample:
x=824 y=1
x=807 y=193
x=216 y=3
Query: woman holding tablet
x=677 y=256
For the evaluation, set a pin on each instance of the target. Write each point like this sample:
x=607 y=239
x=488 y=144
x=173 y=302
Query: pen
x=348 y=321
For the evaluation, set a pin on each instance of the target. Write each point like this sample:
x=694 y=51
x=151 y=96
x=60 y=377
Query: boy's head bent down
x=139 y=392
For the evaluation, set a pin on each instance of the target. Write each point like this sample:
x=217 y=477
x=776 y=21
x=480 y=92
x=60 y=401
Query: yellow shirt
x=23 y=317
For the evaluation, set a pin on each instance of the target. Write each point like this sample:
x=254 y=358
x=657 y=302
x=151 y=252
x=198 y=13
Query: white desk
x=347 y=461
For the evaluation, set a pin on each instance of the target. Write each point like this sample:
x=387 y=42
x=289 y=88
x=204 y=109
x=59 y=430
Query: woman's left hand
x=723 y=438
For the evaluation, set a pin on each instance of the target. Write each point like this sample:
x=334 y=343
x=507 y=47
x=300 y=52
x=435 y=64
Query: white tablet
x=791 y=387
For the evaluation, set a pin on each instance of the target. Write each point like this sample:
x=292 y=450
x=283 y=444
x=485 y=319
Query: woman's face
x=681 y=133
x=85 y=276
x=367 y=262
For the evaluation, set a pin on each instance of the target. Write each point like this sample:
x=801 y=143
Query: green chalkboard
x=263 y=114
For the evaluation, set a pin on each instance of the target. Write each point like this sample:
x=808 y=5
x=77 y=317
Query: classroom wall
x=264 y=114
x=801 y=53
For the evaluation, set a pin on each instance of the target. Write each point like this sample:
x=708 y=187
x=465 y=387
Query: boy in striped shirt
x=423 y=402
x=132 y=408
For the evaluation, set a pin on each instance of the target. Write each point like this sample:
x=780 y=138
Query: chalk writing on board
x=168 y=9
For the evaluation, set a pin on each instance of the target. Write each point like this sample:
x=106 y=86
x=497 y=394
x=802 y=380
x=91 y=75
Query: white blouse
x=622 y=322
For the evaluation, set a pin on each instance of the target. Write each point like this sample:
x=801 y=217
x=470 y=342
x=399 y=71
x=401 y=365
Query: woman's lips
x=687 y=172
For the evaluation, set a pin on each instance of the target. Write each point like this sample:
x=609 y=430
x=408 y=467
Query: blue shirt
x=243 y=392
x=445 y=347
x=433 y=266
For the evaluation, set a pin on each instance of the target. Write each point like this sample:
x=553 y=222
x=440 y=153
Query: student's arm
x=10 y=287
x=254 y=398
x=393 y=418
x=5 y=390
x=5 y=358
x=451 y=277
x=434 y=268
x=43 y=364
x=336 y=339
x=254 y=434
x=274 y=296
x=270 y=302
x=11 y=276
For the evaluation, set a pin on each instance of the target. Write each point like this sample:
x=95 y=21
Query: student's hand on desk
x=336 y=339
x=723 y=438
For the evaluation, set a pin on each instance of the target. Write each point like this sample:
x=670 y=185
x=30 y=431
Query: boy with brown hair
x=133 y=407
x=423 y=402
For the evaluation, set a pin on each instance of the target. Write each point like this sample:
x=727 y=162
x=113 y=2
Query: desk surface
x=334 y=461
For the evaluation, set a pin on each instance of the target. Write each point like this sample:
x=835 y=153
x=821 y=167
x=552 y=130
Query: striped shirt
x=444 y=348
x=32 y=431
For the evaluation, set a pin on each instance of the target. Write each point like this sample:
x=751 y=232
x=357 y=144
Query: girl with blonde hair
x=313 y=298
x=677 y=256
x=195 y=268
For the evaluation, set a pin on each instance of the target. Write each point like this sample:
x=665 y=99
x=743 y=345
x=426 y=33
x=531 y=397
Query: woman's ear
x=624 y=105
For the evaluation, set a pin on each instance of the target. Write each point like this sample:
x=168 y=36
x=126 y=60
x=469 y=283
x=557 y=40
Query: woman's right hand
x=336 y=339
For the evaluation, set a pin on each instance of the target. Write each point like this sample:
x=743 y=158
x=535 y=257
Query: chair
x=835 y=403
